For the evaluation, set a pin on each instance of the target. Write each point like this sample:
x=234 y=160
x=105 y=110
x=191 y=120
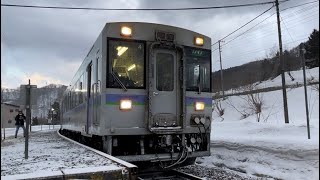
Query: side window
x=85 y=87
x=9 y=121
x=80 y=92
x=69 y=100
x=11 y=110
x=126 y=64
x=71 y=97
x=77 y=92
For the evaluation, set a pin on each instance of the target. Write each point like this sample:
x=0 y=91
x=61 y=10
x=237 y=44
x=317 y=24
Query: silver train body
x=143 y=93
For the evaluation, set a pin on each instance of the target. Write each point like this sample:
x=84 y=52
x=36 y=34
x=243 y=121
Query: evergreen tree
x=312 y=49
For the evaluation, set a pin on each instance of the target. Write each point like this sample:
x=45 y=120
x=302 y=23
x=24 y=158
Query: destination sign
x=195 y=52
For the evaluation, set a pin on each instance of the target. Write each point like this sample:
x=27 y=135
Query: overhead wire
x=247 y=30
x=302 y=4
x=140 y=9
x=248 y=53
x=244 y=25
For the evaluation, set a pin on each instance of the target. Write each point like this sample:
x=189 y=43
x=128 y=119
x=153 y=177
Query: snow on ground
x=269 y=148
x=47 y=152
x=9 y=132
x=312 y=75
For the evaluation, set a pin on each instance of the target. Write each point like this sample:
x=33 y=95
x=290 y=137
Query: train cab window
x=198 y=69
x=165 y=72
x=126 y=64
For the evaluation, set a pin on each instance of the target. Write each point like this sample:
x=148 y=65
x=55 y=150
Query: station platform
x=51 y=156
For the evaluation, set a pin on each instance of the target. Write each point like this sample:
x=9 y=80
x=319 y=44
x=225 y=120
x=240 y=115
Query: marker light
x=126 y=31
x=198 y=41
x=125 y=104
x=199 y=106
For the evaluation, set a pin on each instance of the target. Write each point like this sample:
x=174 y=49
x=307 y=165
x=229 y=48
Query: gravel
x=215 y=173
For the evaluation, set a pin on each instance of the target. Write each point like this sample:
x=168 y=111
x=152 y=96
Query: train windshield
x=198 y=70
x=126 y=64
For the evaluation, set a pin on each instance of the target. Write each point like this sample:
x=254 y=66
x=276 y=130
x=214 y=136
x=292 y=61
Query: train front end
x=157 y=102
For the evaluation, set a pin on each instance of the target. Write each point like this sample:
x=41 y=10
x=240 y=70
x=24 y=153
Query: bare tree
x=312 y=80
x=218 y=108
x=315 y=87
x=254 y=102
x=243 y=113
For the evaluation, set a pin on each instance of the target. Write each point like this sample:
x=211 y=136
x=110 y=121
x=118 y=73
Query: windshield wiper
x=199 y=81
x=118 y=80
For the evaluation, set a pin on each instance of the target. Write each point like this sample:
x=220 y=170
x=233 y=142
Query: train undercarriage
x=154 y=150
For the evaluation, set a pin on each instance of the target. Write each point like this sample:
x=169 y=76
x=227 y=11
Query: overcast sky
x=48 y=45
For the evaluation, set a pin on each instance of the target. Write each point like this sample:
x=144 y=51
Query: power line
x=140 y=9
x=244 y=25
x=303 y=17
x=248 y=30
x=267 y=25
x=299 y=5
x=253 y=51
x=260 y=22
x=303 y=21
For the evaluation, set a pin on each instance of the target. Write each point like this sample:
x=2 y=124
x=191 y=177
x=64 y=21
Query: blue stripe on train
x=114 y=99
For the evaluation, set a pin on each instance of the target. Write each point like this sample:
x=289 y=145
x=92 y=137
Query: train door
x=164 y=107
x=90 y=98
x=96 y=92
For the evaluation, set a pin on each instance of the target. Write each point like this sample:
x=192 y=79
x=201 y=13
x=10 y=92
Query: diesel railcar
x=143 y=94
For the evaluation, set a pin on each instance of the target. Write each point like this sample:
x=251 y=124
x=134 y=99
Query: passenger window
x=126 y=63
x=165 y=72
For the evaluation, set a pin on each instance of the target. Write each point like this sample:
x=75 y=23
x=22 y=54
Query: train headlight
x=198 y=41
x=126 y=31
x=125 y=104
x=199 y=106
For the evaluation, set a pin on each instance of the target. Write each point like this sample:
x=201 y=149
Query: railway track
x=131 y=170
x=167 y=175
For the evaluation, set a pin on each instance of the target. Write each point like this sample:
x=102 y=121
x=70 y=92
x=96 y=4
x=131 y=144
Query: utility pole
x=28 y=113
x=1 y=113
x=305 y=87
x=221 y=73
x=282 y=64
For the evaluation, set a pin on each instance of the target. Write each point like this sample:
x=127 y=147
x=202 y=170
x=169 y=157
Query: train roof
x=154 y=25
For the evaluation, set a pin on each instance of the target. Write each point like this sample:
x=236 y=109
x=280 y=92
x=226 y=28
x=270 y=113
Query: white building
x=8 y=114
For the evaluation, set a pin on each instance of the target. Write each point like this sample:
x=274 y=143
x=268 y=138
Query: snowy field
x=269 y=148
x=312 y=75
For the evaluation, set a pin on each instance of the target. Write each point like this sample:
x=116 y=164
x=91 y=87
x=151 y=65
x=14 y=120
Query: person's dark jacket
x=20 y=118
